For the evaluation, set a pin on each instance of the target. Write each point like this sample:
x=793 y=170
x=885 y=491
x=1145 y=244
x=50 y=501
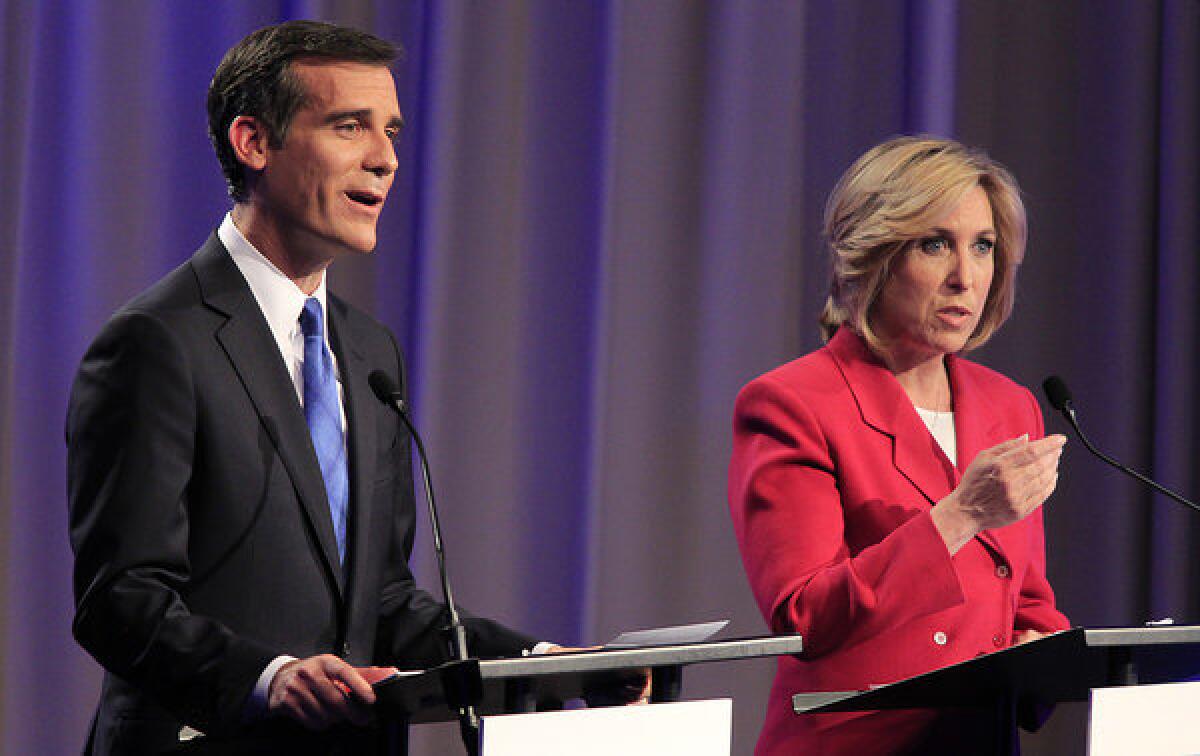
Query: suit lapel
x=360 y=442
x=887 y=409
x=252 y=350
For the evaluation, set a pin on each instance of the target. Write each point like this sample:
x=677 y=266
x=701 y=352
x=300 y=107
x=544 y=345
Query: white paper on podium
x=1148 y=720
x=666 y=636
x=685 y=728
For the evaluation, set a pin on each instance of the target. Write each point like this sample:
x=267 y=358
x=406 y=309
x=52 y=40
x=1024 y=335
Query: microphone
x=456 y=635
x=1060 y=399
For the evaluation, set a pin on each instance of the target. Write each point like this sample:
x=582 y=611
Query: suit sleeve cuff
x=256 y=704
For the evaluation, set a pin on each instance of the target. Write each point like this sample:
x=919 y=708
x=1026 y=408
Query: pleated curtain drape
x=607 y=220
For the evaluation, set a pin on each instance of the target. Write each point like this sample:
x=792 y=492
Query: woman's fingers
x=1008 y=481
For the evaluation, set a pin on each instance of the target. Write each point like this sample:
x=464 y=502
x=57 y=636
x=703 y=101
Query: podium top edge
x=1061 y=666
x=1138 y=636
x=642 y=656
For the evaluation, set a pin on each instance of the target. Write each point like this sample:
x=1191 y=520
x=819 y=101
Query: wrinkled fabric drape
x=607 y=220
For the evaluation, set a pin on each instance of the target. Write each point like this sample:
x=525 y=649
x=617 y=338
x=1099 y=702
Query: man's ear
x=248 y=137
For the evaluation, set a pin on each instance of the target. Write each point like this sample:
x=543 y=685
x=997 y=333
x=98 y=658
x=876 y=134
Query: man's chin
x=365 y=248
x=361 y=244
x=330 y=245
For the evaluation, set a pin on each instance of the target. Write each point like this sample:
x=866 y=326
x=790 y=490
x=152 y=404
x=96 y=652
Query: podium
x=532 y=683
x=1059 y=668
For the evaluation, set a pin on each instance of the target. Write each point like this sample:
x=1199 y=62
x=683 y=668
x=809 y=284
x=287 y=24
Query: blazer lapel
x=886 y=408
x=248 y=342
x=916 y=455
x=977 y=427
x=360 y=441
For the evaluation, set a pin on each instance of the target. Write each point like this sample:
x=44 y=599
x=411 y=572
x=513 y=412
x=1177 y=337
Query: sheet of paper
x=668 y=636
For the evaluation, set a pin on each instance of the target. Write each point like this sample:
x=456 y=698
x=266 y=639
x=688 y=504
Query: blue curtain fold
x=607 y=219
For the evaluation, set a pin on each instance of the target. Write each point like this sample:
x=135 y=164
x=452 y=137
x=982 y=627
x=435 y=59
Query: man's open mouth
x=369 y=199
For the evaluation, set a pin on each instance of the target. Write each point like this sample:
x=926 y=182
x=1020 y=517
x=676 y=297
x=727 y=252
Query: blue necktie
x=324 y=416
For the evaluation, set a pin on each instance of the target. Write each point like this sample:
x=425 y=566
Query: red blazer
x=831 y=483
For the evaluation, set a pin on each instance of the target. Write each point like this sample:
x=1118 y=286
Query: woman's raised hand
x=1002 y=485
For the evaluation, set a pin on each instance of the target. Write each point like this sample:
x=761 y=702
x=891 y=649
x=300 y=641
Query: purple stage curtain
x=607 y=220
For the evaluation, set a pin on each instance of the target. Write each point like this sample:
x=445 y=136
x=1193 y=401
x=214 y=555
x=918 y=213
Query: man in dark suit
x=241 y=505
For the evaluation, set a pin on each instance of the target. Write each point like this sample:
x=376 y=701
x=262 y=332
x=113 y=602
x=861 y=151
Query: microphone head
x=383 y=386
x=1057 y=392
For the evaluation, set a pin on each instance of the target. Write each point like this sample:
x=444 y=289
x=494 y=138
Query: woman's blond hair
x=891 y=197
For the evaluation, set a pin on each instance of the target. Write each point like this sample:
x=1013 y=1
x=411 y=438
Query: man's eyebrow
x=363 y=114
x=339 y=115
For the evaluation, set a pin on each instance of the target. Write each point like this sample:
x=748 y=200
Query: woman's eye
x=984 y=246
x=934 y=246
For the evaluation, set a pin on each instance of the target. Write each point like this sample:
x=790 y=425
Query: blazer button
x=1002 y=571
x=939 y=638
x=997 y=640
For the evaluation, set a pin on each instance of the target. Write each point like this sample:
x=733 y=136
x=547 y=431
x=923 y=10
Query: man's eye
x=392 y=134
x=933 y=246
x=349 y=128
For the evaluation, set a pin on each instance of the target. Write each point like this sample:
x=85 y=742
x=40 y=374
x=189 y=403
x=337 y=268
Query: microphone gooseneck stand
x=456 y=635
x=1060 y=398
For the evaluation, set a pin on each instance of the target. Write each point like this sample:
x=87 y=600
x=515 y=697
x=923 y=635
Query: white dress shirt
x=281 y=302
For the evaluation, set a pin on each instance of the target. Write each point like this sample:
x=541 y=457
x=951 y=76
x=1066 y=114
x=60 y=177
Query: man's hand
x=631 y=686
x=320 y=691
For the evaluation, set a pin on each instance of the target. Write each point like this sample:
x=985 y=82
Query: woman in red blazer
x=885 y=492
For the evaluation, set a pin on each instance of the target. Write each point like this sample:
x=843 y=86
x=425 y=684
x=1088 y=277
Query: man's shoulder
x=178 y=289
x=174 y=307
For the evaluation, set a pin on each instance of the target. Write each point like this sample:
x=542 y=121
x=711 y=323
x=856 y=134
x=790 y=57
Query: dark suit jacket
x=203 y=542
x=831 y=484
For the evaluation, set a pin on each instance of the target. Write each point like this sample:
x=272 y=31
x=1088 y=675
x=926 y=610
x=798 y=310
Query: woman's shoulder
x=812 y=375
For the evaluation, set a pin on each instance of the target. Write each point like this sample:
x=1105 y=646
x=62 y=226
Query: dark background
x=607 y=221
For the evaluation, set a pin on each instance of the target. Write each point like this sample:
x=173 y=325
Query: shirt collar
x=279 y=298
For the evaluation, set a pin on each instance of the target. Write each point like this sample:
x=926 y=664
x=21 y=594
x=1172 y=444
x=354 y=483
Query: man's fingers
x=355 y=694
x=328 y=701
x=321 y=691
x=343 y=691
x=307 y=709
x=355 y=684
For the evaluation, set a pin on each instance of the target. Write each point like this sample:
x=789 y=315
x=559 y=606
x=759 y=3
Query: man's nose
x=381 y=159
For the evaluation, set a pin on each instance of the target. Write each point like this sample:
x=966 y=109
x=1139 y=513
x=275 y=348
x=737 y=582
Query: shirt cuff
x=542 y=647
x=256 y=704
